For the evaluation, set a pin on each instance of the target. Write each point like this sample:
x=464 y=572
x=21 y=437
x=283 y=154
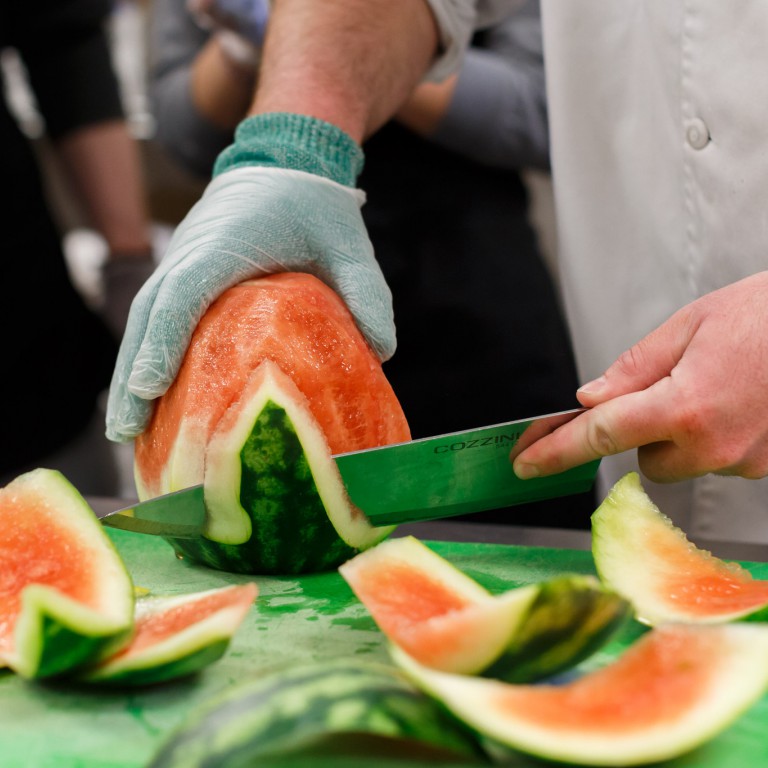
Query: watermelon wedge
x=277 y=378
x=676 y=687
x=447 y=621
x=66 y=598
x=176 y=636
x=678 y=581
x=347 y=709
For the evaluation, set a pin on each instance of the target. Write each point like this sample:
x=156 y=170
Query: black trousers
x=56 y=354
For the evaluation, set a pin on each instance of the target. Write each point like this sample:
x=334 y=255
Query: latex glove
x=690 y=396
x=246 y=17
x=239 y=26
x=250 y=222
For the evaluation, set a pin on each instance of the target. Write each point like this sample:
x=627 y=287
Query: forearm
x=423 y=111
x=348 y=62
x=222 y=89
x=103 y=162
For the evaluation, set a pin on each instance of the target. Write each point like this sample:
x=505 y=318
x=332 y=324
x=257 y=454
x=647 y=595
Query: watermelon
x=675 y=688
x=341 y=708
x=679 y=581
x=176 y=636
x=277 y=379
x=447 y=621
x=66 y=596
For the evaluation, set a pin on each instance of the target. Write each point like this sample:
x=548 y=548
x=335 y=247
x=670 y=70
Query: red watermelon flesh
x=678 y=581
x=167 y=619
x=446 y=620
x=29 y=552
x=59 y=571
x=301 y=325
x=176 y=636
x=672 y=690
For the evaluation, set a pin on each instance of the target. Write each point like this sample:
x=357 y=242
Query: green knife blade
x=455 y=474
x=179 y=515
x=425 y=479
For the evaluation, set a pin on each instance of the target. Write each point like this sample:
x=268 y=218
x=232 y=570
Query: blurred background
x=170 y=191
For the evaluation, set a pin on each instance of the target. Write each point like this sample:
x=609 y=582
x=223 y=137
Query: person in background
x=58 y=353
x=657 y=133
x=445 y=208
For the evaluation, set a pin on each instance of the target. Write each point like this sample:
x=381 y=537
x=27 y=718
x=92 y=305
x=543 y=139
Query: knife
x=425 y=479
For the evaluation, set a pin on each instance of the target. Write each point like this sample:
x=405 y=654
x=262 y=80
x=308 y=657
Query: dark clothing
x=480 y=335
x=57 y=355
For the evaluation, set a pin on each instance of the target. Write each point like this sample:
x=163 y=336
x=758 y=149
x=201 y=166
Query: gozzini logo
x=507 y=440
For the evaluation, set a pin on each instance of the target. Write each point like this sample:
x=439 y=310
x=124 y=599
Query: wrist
x=294 y=142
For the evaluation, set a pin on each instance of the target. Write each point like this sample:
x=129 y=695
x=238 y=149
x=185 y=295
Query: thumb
x=650 y=360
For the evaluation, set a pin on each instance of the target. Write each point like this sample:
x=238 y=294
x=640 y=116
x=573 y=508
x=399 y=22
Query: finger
x=666 y=462
x=369 y=299
x=126 y=414
x=650 y=360
x=186 y=291
x=609 y=428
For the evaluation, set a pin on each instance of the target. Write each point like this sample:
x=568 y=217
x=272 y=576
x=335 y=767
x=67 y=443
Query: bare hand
x=692 y=396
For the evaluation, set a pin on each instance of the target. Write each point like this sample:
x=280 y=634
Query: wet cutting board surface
x=294 y=619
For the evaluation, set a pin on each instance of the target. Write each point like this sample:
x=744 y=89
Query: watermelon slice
x=176 y=636
x=346 y=709
x=679 y=581
x=66 y=598
x=447 y=621
x=673 y=689
x=277 y=378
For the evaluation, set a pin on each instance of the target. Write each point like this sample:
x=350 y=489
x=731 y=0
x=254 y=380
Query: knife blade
x=424 y=479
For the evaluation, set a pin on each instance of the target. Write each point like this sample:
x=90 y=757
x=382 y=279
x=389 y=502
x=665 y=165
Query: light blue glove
x=282 y=199
x=247 y=18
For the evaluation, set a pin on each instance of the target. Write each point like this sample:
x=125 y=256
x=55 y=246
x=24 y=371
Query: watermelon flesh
x=65 y=595
x=447 y=621
x=277 y=378
x=175 y=636
x=672 y=690
x=680 y=582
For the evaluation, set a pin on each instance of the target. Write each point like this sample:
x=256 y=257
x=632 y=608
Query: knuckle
x=600 y=438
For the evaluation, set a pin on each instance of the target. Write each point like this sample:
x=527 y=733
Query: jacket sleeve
x=456 y=21
x=175 y=41
x=498 y=113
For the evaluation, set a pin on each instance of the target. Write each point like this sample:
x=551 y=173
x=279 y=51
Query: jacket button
x=697 y=134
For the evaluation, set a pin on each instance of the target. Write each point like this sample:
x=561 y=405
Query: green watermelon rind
x=289 y=710
x=741 y=683
x=571 y=618
x=526 y=633
x=272 y=469
x=487 y=621
x=58 y=635
x=619 y=526
x=184 y=653
x=54 y=634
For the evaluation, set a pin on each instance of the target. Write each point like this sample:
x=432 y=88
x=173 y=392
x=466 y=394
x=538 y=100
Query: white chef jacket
x=658 y=116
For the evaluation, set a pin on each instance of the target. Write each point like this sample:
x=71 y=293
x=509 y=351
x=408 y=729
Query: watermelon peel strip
x=448 y=621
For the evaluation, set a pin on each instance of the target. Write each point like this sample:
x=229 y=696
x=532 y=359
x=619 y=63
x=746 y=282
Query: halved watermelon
x=347 y=709
x=446 y=620
x=176 y=636
x=676 y=687
x=277 y=378
x=66 y=598
x=640 y=553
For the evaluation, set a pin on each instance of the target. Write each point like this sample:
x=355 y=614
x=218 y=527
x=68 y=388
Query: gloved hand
x=282 y=199
x=240 y=26
x=247 y=18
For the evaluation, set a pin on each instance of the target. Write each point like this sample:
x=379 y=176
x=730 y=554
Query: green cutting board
x=295 y=619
